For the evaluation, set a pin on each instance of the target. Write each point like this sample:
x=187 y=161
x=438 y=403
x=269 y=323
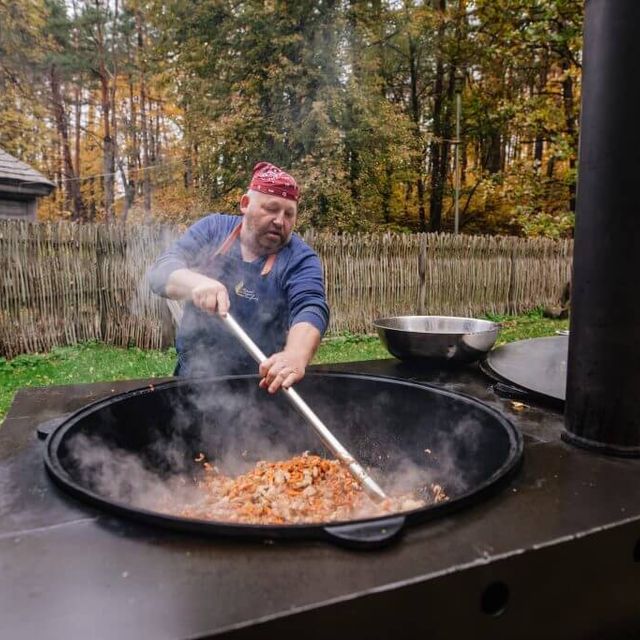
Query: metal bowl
x=438 y=338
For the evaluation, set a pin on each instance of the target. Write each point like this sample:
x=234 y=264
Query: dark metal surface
x=557 y=553
x=604 y=350
x=537 y=366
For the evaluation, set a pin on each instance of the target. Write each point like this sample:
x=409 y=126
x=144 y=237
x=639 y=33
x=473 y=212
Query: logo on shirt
x=243 y=292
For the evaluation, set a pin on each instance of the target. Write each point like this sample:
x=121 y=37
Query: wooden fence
x=62 y=283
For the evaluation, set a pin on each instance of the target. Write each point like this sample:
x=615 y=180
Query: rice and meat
x=303 y=489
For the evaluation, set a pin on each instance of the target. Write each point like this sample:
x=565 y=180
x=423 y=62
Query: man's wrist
x=299 y=360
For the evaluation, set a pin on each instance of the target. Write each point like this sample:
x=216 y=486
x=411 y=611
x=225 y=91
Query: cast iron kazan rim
x=363 y=534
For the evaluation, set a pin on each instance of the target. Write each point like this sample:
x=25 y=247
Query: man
x=256 y=268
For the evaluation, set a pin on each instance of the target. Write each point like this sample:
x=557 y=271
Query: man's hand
x=211 y=296
x=282 y=369
x=286 y=367
x=205 y=293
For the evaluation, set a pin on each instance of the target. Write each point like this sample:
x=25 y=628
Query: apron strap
x=268 y=265
x=229 y=240
x=232 y=237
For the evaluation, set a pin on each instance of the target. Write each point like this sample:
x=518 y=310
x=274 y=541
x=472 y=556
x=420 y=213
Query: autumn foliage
x=156 y=110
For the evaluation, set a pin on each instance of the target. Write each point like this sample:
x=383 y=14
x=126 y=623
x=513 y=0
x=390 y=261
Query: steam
x=124 y=477
x=235 y=431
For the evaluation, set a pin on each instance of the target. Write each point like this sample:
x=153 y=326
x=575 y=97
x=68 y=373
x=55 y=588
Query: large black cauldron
x=388 y=424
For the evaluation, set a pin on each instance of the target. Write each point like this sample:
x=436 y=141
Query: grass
x=531 y=325
x=97 y=362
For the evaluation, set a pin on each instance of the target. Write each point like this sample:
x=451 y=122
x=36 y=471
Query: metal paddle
x=330 y=441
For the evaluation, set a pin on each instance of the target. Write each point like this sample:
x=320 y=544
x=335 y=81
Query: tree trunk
x=107 y=150
x=351 y=126
x=128 y=192
x=77 y=96
x=551 y=165
x=133 y=151
x=108 y=155
x=188 y=173
x=538 y=151
x=416 y=110
x=439 y=145
x=568 y=103
x=463 y=163
x=115 y=162
x=71 y=184
x=538 y=147
x=157 y=155
x=387 y=187
x=493 y=152
x=146 y=178
x=407 y=199
x=77 y=129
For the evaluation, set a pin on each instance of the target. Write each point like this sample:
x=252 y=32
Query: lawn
x=96 y=362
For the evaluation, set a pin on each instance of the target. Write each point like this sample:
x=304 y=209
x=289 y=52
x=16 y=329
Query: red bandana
x=267 y=178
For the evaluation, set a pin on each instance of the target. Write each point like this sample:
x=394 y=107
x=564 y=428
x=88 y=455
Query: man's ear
x=244 y=202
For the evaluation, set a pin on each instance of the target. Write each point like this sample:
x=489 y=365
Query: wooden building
x=20 y=188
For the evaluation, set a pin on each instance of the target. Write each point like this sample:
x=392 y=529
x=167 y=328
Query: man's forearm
x=205 y=293
x=182 y=282
x=303 y=340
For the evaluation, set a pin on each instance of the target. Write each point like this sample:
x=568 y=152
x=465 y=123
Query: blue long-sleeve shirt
x=265 y=306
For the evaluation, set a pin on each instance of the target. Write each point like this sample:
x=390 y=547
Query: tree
x=158 y=109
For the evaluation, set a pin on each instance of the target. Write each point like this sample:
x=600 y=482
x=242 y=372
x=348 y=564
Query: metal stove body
x=554 y=554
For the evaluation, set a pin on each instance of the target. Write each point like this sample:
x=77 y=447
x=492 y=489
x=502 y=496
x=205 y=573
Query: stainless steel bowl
x=438 y=338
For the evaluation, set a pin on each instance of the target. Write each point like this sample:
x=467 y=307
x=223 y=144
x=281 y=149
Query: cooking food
x=306 y=488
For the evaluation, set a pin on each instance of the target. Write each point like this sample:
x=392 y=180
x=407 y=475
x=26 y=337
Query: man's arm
x=206 y=293
x=173 y=274
x=308 y=317
x=286 y=367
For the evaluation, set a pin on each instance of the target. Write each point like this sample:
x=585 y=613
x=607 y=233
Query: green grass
x=350 y=348
x=96 y=362
x=531 y=325
x=88 y=362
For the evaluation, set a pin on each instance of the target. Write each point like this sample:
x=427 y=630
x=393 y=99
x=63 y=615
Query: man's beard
x=272 y=240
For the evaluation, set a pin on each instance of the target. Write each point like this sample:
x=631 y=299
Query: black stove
x=554 y=554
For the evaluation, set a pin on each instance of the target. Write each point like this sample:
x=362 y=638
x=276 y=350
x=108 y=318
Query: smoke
x=458 y=454
x=408 y=444
x=125 y=477
x=212 y=418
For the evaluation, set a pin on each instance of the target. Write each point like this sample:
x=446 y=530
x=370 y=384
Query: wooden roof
x=19 y=178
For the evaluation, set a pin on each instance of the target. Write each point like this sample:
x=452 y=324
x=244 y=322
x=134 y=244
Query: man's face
x=269 y=220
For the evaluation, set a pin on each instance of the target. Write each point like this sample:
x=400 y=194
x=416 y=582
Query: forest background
x=156 y=110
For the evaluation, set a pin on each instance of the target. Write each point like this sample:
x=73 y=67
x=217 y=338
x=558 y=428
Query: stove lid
x=539 y=366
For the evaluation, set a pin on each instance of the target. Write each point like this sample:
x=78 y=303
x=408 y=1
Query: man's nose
x=279 y=219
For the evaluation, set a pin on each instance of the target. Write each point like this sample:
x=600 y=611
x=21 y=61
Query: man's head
x=270 y=208
x=269 y=179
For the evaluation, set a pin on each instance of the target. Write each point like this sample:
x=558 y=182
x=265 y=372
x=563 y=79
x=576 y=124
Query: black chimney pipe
x=603 y=384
